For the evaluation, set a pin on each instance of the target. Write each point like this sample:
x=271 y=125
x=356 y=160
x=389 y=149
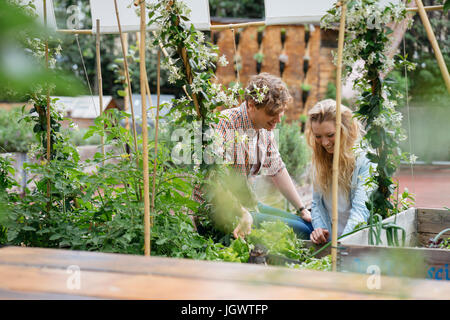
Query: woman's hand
x=319 y=236
x=245 y=225
x=306 y=215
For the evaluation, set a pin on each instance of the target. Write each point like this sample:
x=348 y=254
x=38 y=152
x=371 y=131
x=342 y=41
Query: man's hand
x=245 y=225
x=306 y=215
x=319 y=236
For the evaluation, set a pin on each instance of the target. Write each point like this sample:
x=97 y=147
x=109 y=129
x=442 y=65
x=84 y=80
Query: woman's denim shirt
x=358 y=197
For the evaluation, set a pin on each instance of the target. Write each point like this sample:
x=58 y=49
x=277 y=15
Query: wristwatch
x=299 y=210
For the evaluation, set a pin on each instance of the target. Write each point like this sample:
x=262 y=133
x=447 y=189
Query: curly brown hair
x=275 y=99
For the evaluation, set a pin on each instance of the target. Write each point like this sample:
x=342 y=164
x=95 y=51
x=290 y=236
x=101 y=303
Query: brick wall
x=320 y=71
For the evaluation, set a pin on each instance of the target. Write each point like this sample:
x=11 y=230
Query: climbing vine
x=367 y=40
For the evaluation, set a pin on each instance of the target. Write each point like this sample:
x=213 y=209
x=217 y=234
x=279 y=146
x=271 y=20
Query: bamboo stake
x=158 y=88
x=72 y=31
x=146 y=79
x=127 y=75
x=100 y=82
x=237 y=25
x=334 y=234
x=143 y=79
x=48 y=116
x=428 y=8
x=126 y=98
x=434 y=44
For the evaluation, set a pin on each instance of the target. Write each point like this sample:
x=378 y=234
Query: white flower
x=223 y=61
x=380 y=121
x=412 y=159
x=371 y=57
x=200 y=37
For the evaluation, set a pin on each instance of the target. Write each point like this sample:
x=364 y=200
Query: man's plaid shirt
x=238 y=144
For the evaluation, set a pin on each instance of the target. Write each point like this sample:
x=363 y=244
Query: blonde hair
x=322 y=161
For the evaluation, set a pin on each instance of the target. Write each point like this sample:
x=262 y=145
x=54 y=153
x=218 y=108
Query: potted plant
x=283 y=60
x=305 y=64
x=306 y=88
x=260 y=35
x=283 y=36
x=307 y=34
x=216 y=37
x=237 y=36
x=303 y=118
x=259 y=57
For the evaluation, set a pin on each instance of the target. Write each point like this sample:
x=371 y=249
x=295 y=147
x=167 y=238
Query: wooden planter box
x=414 y=260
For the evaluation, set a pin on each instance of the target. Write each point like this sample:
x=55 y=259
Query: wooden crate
x=413 y=260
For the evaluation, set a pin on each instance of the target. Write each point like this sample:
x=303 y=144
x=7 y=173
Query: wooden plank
x=433 y=220
x=17 y=295
x=409 y=262
x=129 y=286
x=127 y=271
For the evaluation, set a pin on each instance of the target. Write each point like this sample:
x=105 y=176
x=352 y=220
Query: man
x=249 y=147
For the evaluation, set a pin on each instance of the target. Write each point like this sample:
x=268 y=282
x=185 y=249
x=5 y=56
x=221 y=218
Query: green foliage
x=426 y=83
x=15 y=135
x=259 y=57
x=22 y=66
x=237 y=251
x=237 y=9
x=279 y=239
x=293 y=148
x=322 y=264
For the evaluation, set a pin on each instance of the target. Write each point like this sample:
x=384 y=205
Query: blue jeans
x=266 y=213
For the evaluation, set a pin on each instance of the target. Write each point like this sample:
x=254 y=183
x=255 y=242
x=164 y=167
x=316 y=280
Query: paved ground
x=430 y=184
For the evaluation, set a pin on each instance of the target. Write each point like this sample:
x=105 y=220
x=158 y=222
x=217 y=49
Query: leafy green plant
x=279 y=239
x=319 y=264
x=305 y=87
x=259 y=57
x=15 y=135
x=293 y=148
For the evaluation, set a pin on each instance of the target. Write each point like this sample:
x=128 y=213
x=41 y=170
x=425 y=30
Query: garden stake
x=100 y=84
x=146 y=79
x=127 y=75
x=158 y=87
x=434 y=44
x=336 y=151
x=126 y=97
x=48 y=106
x=143 y=79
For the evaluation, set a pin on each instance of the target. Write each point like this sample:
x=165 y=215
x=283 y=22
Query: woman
x=353 y=171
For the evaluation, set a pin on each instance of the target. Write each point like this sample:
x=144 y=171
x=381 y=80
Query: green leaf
x=55 y=237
